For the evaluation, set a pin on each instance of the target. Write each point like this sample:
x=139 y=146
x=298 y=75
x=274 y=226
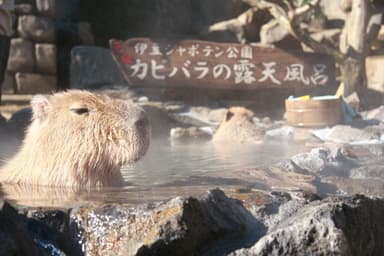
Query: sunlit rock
x=180 y=226
x=36 y=28
x=333 y=226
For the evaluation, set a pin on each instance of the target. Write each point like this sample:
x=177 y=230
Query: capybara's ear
x=40 y=104
x=229 y=115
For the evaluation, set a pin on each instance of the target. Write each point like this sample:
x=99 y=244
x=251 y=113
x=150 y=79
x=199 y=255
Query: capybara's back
x=78 y=139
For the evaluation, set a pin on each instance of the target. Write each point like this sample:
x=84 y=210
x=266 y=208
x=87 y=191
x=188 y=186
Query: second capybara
x=78 y=139
x=237 y=127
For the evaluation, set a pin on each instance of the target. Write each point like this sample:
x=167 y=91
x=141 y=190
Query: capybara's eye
x=80 y=111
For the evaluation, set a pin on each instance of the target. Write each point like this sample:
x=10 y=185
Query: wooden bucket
x=314 y=112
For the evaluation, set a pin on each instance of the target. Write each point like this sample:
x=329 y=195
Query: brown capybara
x=78 y=139
x=237 y=126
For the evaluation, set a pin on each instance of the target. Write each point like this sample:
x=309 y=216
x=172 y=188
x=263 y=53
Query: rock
x=21 y=58
x=216 y=115
x=14 y=237
x=237 y=126
x=49 y=229
x=346 y=186
x=332 y=10
x=333 y=226
x=190 y=133
x=209 y=115
x=86 y=63
x=25 y=8
x=347 y=134
x=173 y=107
x=285 y=133
x=9 y=85
x=325 y=161
x=376 y=113
x=290 y=166
x=180 y=226
x=45 y=58
x=188 y=119
x=38 y=29
x=46 y=7
x=31 y=83
x=314 y=161
x=276 y=206
x=372 y=171
x=275 y=223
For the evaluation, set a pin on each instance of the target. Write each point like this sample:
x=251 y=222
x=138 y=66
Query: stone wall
x=32 y=61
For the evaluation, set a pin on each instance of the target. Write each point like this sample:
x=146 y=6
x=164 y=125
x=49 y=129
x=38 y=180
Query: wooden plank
x=194 y=63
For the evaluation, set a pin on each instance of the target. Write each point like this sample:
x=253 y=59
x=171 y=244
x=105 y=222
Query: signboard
x=206 y=64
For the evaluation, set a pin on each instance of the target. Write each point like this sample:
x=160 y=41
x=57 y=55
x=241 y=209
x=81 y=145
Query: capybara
x=237 y=126
x=78 y=139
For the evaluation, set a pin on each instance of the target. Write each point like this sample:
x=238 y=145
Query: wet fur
x=237 y=126
x=78 y=139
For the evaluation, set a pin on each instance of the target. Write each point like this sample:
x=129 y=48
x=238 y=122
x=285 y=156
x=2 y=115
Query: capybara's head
x=237 y=126
x=78 y=138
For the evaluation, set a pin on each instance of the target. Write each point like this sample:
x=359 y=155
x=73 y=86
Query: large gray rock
x=31 y=83
x=93 y=67
x=181 y=226
x=315 y=161
x=276 y=223
x=324 y=160
x=45 y=58
x=350 y=134
x=334 y=226
x=285 y=133
x=36 y=28
x=21 y=57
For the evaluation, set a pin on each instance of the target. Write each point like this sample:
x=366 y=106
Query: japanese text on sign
x=200 y=63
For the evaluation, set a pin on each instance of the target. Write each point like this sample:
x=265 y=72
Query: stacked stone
x=32 y=61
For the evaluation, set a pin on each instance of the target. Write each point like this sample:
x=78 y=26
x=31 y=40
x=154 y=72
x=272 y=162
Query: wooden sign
x=219 y=65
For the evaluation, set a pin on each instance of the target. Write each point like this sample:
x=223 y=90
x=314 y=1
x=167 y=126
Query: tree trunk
x=354 y=47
